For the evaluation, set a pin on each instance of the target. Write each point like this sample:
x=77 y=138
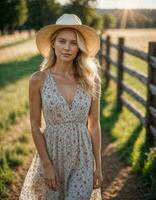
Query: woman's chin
x=65 y=59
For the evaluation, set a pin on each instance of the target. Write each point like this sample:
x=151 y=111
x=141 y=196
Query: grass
x=14 y=78
x=135 y=38
x=6 y=177
x=12 y=156
x=139 y=66
x=126 y=131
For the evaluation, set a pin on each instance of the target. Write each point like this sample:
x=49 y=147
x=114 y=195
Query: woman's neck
x=64 y=68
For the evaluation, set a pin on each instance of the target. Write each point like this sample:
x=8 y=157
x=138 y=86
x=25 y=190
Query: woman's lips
x=66 y=54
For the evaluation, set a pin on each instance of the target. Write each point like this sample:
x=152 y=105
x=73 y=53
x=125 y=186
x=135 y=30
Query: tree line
x=133 y=18
x=34 y=14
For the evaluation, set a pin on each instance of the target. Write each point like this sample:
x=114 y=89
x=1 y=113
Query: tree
x=12 y=13
x=42 y=12
x=108 y=21
x=97 y=23
x=82 y=8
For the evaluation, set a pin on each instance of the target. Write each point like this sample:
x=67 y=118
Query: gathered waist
x=62 y=129
x=66 y=123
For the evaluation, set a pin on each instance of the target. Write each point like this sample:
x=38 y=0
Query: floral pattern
x=68 y=145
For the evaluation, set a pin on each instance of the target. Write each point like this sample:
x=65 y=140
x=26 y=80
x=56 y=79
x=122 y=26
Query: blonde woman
x=67 y=161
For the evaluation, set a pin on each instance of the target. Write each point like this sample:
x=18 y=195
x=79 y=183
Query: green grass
x=6 y=177
x=126 y=131
x=12 y=156
x=14 y=78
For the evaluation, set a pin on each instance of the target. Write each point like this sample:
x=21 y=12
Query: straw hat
x=67 y=21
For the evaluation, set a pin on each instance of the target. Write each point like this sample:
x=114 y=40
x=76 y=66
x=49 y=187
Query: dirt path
x=119 y=182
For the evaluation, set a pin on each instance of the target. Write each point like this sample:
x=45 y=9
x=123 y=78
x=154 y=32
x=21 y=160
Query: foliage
x=83 y=9
x=42 y=12
x=108 y=21
x=13 y=13
x=97 y=22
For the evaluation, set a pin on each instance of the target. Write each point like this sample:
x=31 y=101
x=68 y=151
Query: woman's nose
x=67 y=46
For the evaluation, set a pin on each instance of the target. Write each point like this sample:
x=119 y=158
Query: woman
x=67 y=162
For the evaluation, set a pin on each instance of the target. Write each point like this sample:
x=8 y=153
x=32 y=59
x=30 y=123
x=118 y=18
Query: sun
x=128 y=15
x=129 y=4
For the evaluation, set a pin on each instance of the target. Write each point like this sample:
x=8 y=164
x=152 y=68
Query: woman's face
x=65 y=45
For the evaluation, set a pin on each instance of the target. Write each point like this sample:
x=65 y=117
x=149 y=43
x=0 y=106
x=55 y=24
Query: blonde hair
x=86 y=69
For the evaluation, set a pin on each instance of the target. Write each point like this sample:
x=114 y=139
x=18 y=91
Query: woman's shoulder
x=37 y=78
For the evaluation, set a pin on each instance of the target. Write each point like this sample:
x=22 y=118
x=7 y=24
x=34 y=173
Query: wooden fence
x=148 y=119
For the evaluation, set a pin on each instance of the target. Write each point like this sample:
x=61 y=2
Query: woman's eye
x=62 y=41
x=74 y=43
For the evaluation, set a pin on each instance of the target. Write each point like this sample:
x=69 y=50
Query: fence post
x=120 y=71
x=151 y=98
x=107 y=65
x=100 y=51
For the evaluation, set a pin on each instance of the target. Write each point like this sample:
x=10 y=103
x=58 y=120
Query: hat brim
x=90 y=35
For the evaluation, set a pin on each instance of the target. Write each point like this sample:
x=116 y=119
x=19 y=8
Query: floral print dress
x=68 y=145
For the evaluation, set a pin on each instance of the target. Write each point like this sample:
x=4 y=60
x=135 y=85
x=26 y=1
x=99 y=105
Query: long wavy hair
x=86 y=69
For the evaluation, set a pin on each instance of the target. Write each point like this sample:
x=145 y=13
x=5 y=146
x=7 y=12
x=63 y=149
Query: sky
x=149 y=4
x=127 y=3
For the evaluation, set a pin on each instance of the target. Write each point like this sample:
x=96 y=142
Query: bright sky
x=126 y=3
x=123 y=3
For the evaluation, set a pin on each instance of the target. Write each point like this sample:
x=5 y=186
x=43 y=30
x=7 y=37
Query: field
x=124 y=129
x=135 y=38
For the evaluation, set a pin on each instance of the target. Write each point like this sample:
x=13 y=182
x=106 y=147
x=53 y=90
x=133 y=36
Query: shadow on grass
x=112 y=167
x=12 y=71
x=107 y=123
x=127 y=148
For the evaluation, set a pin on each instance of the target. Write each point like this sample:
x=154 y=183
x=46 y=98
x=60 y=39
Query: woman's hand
x=97 y=178
x=51 y=177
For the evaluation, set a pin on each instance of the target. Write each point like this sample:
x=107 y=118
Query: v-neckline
x=70 y=106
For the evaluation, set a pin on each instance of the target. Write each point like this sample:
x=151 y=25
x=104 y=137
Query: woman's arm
x=94 y=127
x=51 y=176
x=35 y=83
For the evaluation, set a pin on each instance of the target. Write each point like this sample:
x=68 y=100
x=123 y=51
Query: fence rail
x=148 y=119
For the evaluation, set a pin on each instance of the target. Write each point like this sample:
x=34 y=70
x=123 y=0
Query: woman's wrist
x=98 y=166
x=98 y=169
x=46 y=163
